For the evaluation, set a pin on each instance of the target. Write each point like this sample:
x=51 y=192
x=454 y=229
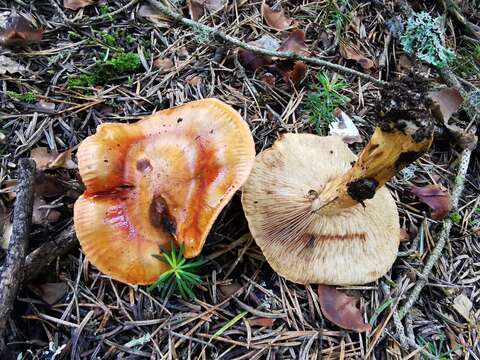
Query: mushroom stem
x=405 y=133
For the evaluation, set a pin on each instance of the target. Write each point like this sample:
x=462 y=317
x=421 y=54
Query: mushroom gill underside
x=353 y=246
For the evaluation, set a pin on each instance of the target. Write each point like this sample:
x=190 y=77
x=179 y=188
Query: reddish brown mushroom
x=162 y=179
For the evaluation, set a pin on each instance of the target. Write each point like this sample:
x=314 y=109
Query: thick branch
x=280 y=54
x=10 y=275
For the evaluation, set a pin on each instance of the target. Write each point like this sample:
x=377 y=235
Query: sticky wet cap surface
x=162 y=179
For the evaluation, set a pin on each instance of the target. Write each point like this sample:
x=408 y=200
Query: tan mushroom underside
x=354 y=246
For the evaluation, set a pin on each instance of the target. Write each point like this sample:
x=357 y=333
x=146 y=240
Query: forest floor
x=120 y=61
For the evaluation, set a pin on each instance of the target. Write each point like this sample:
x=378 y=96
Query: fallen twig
x=47 y=252
x=17 y=246
x=443 y=236
x=280 y=54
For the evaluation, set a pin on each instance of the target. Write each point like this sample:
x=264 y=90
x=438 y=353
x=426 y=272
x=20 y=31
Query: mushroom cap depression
x=353 y=245
x=162 y=179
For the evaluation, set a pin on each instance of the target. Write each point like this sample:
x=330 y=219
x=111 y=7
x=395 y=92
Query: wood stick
x=11 y=272
x=280 y=54
x=42 y=256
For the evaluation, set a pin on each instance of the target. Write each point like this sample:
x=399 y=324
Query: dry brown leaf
x=77 y=4
x=197 y=8
x=52 y=160
x=351 y=52
x=404 y=235
x=51 y=293
x=295 y=43
x=268 y=79
x=275 y=19
x=18 y=31
x=463 y=305
x=264 y=322
x=340 y=309
x=447 y=102
x=404 y=64
x=10 y=66
x=164 y=65
x=195 y=81
x=150 y=13
x=229 y=289
x=292 y=73
x=436 y=197
x=252 y=60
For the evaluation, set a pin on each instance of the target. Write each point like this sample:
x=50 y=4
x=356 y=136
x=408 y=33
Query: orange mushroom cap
x=162 y=179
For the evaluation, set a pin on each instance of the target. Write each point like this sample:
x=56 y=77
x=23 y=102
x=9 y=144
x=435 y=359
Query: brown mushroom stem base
x=389 y=150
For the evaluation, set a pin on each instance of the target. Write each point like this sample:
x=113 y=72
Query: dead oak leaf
x=77 y=4
x=52 y=160
x=164 y=65
x=340 y=309
x=293 y=73
x=18 y=31
x=436 y=197
x=350 y=52
x=295 y=42
x=197 y=8
x=275 y=19
x=447 y=102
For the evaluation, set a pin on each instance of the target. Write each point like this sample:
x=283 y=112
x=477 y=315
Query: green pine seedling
x=182 y=276
x=321 y=103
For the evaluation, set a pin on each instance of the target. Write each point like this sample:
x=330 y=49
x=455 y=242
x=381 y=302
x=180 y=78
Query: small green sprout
x=424 y=38
x=81 y=81
x=181 y=278
x=105 y=11
x=456 y=217
x=322 y=102
x=29 y=96
x=108 y=39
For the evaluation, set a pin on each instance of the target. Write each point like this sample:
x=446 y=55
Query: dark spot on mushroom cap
x=160 y=216
x=144 y=165
x=362 y=189
x=179 y=120
x=331 y=151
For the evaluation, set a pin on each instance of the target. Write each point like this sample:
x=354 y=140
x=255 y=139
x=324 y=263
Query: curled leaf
x=52 y=160
x=447 y=103
x=18 y=31
x=436 y=197
x=351 y=52
x=254 y=61
x=295 y=43
x=275 y=19
x=340 y=309
x=197 y=8
x=76 y=4
x=293 y=73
